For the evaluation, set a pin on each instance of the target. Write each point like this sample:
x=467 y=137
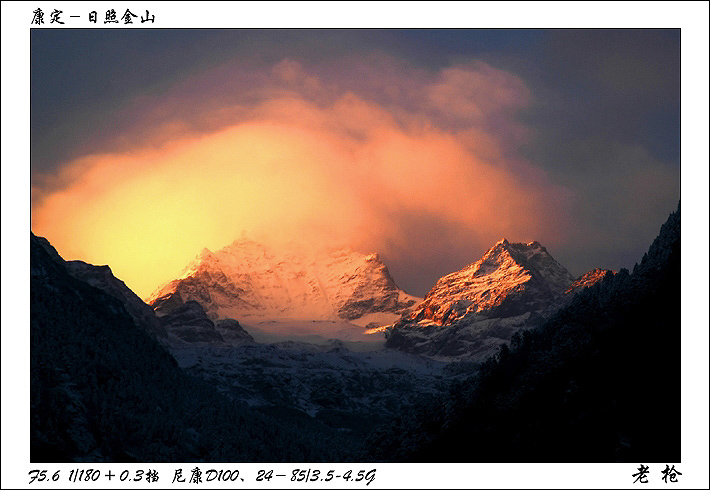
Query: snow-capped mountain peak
x=254 y=282
x=506 y=271
x=471 y=312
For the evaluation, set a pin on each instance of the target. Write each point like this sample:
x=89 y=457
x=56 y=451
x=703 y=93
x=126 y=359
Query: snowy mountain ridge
x=256 y=283
x=471 y=312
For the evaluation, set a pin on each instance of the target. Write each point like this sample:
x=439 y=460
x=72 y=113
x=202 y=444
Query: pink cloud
x=289 y=150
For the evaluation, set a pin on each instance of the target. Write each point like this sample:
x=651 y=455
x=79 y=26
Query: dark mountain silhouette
x=103 y=389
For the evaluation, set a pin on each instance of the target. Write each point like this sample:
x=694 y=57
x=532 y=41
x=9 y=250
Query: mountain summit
x=471 y=312
x=252 y=282
x=510 y=279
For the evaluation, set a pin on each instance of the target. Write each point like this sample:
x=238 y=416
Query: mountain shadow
x=598 y=382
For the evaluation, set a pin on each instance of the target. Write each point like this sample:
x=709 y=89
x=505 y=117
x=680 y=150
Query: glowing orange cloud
x=347 y=170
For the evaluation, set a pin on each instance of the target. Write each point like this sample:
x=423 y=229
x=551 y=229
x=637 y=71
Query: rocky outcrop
x=190 y=324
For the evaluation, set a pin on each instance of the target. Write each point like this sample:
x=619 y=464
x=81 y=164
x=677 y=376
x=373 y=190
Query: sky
x=424 y=145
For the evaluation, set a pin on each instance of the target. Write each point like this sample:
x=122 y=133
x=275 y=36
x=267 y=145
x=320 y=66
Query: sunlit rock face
x=469 y=313
x=510 y=279
x=588 y=280
x=252 y=282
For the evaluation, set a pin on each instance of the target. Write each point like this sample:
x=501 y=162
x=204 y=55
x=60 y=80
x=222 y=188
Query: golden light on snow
x=349 y=172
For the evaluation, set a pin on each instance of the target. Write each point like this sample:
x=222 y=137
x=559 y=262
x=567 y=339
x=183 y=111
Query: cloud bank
x=417 y=165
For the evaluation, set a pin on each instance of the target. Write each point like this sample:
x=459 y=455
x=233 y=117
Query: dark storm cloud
x=620 y=85
x=606 y=123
